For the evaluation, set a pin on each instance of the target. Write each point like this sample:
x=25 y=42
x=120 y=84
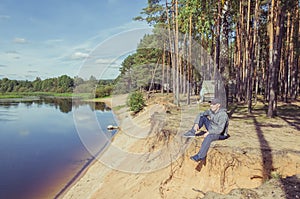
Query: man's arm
x=220 y=124
x=205 y=113
x=197 y=120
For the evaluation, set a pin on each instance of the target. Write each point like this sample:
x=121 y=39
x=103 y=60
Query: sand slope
x=150 y=159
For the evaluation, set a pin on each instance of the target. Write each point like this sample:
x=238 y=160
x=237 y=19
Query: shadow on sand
x=291 y=115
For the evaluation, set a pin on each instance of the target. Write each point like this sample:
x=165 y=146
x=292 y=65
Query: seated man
x=215 y=121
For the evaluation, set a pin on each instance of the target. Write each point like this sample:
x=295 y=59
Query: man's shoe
x=189 y=134
x=200 y=133
x=195 y=158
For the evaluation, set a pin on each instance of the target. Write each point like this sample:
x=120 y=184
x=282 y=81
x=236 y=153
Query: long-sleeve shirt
x=218 y=121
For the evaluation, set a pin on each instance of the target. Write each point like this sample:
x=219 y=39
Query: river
x=41 y=151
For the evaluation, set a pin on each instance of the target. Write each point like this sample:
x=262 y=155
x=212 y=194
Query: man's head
x=215 y=104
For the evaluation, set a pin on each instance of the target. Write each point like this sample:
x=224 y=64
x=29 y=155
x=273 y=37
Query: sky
x=50 y=38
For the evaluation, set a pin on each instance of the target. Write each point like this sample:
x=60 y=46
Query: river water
x=41 y=151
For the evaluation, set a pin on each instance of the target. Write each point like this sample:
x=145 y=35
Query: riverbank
x=263 y=150
x=114 y=102
x=26 y=95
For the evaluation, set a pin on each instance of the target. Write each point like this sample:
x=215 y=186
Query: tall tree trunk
x=243 y=69
x=279 y=25
x=189 y=79
x=171 y=49
x=239 y=56
x=256 y=53
x=296 y=54
x=225 y=51
x=249 y=58
x=217 y=50
x=244 y=55
x=218 y=32
x=286 y=81
x=177 y=64
x=271 y=62
x=163 y=68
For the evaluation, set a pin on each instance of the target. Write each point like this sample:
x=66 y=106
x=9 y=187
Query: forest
x=252 y=47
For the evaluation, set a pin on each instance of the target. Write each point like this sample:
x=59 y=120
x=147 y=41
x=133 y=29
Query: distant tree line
x=61 y=84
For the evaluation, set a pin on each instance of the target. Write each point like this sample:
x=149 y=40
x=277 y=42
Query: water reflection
x=65 y=105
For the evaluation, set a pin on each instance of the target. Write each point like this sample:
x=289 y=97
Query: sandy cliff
x=148 y=158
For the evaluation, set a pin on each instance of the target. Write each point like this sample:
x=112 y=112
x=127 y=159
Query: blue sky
x=49 y=38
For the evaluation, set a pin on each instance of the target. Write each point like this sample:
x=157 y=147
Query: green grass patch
x=10 y=95
x=118 y=107
x=276 y=175
x=44 y=94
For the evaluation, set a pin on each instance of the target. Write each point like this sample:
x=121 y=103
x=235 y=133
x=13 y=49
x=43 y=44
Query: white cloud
x=53 y=41
x=79 y=55
x=20 y=40
x=104 y=61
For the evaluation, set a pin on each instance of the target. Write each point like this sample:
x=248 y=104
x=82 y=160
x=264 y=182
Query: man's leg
x=203 y=121
x=205 y=146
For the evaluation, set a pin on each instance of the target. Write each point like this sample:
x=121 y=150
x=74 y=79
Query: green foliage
x=276 y=175
x=118 y=107
x=10 y=95
x=142 y=67
x=57 y=85
x=136 y=101
x=103 y=91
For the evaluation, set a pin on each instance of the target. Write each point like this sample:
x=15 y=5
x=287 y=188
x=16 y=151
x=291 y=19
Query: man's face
x=214 y=107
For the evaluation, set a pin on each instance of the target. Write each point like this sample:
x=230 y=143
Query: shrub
x=136 y=101
x=103 y=91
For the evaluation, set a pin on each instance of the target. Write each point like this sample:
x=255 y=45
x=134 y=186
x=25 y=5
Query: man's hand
x=206 y=134
x=196 y=127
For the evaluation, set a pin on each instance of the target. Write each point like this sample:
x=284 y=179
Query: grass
x=43 y=94
x=7 y=96
x=119 y=107
x=276 y=175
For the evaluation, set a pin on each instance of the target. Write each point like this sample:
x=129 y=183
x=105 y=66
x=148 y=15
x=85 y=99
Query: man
x=215 y=121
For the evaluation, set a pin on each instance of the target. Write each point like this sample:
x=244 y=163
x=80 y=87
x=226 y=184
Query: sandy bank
x=164 y=170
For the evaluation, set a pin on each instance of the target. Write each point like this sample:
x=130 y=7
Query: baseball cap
x=215 y=101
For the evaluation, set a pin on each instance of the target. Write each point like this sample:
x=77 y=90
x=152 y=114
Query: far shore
x=20 y=95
